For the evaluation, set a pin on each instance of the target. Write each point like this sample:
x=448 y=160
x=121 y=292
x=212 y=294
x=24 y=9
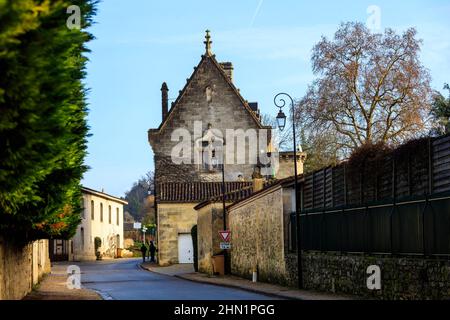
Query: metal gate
x=59 y=249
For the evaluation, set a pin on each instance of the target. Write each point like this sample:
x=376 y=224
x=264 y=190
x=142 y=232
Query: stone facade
x=209 y=223
x=21 y=267
x=173 y=219
x=205 y=109
x=401 y=277
x=102 y=217
x=224 y=110
x=258 y=228
x=285 y=164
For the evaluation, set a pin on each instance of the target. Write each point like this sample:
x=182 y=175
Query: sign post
x=144 y=229
x=225 y=235
x=137 y=225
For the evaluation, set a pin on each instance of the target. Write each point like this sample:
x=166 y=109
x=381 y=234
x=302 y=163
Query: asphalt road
x=125 y=280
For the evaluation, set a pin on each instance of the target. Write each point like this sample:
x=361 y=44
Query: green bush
x=97 y=245
x=43 y=125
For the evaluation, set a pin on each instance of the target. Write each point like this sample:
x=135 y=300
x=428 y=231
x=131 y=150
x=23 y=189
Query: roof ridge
x=212 y=57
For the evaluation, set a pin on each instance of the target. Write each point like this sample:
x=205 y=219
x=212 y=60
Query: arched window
x=109 y=214
x=82 y=237
x=83 y=209
x=92 y=210
x=101 y=212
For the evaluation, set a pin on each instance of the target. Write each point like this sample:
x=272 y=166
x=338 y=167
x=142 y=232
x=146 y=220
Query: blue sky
x=141 y=43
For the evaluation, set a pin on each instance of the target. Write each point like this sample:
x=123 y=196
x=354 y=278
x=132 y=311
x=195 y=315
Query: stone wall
x=257 y=237
x=173 y=219
x=209 y=223
x=21 y=267
x=401 y=277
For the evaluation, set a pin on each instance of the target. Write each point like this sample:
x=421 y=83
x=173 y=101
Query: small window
x=92 y=210
x=117 y=216
x=83 y=209
x=101 y=212
x=109 y=214
x=82 y=238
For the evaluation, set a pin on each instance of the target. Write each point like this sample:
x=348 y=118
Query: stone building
x=209 y=129
x=263 y=236
x=207 y=106
x=102 y=217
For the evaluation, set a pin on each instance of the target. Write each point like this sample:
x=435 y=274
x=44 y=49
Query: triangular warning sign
x=225 y=235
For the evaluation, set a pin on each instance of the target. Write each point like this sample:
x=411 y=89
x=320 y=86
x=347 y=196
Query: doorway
x=185 y=248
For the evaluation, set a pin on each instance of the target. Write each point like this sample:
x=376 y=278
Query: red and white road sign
x=225 y=235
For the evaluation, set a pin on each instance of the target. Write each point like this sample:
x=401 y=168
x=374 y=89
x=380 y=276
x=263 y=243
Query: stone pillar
x=286 y=164
x=258 y=181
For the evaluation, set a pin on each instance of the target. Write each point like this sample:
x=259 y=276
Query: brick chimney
x=228 y=69
x=164 y=100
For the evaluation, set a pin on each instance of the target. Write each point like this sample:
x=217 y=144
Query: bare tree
x=280 y=139
x=370 y=88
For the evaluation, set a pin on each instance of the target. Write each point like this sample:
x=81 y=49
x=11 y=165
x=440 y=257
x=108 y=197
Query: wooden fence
x=399 y=203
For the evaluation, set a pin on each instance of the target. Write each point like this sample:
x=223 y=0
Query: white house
x=102 y=217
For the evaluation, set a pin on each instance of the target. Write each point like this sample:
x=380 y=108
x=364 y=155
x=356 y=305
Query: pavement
x=186 y=271
x=54 y=287
x=124 y=279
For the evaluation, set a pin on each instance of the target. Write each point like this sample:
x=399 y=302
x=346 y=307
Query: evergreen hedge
x=43 y=111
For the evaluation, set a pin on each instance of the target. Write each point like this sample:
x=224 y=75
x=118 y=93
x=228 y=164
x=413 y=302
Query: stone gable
x=210 y=97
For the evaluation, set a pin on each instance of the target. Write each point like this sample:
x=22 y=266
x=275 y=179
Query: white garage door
x=185 y=250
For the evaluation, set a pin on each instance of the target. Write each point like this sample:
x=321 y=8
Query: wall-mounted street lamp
x=280 y=102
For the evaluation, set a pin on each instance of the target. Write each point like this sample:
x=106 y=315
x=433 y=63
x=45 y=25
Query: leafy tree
x=139 y=205
x=370 y=88
x=42 y=117
x=441 y=112
x=321 y=150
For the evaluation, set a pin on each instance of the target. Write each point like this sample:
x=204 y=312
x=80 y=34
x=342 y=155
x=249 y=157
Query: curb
x=103 y=295
x=228 y=285
x=223 y=285
x=253 y=290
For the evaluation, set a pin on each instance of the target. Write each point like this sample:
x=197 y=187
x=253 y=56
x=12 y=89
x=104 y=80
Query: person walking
x=144 y=251
x=152 y=250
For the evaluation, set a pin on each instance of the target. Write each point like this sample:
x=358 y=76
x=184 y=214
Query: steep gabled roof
x=208 y=56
